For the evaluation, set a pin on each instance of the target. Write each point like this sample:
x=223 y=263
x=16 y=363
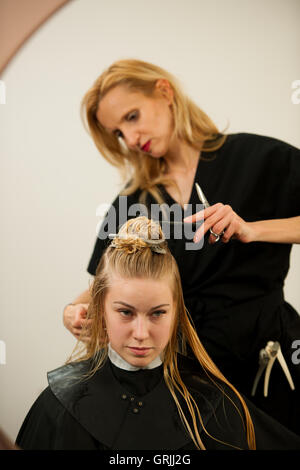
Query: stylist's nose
x=131 y=139
x=140 y=329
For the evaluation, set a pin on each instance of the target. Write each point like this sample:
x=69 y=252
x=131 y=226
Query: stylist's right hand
x=75 y=320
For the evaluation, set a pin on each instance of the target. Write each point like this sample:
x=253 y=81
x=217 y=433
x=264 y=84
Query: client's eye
x=158 y=313
x=125 y=313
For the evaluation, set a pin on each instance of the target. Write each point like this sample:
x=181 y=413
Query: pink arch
x=19 y=19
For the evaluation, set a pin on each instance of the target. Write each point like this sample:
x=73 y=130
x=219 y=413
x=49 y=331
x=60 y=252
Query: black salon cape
x=234 y=291
x=134 y=410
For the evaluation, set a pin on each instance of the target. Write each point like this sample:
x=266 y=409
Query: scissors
x=206 y=204
x=267 y=357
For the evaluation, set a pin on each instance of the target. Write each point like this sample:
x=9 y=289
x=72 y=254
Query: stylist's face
x=139 y=315
x=144 y=123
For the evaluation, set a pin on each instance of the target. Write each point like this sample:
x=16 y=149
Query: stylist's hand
x=75 y=319
x=221 y=217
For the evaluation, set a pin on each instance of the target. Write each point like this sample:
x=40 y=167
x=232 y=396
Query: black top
x=259 y=177
x=122 y=410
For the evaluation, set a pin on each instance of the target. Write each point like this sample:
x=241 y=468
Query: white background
x=236 y=58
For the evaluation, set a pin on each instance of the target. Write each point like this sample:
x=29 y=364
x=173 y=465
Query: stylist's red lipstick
x=146 y=147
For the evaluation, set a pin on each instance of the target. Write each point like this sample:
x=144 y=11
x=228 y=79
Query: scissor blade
x=201 y=196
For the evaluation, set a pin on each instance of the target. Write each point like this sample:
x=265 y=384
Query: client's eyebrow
x=131 y=306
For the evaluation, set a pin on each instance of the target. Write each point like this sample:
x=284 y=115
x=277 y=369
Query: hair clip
x=153 y=244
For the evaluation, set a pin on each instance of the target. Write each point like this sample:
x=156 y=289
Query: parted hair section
x=140 y=250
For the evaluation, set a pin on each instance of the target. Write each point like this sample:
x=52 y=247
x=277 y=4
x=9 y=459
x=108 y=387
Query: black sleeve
x=49 y=426
x=283 y=178
x=273 y=169
x=122 y=209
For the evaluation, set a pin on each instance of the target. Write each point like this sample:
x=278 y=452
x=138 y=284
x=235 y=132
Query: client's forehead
x=139 y=292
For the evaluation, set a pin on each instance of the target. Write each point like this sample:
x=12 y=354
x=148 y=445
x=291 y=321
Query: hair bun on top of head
x=138 y=234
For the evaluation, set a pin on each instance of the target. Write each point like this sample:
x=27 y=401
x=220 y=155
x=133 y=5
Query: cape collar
x=118 y=361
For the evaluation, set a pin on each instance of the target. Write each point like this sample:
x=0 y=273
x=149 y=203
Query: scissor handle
x=217 y=235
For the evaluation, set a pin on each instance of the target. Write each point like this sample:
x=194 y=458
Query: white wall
x=236 y=58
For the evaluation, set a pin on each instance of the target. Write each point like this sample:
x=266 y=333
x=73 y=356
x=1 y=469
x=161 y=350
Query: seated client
x=143 y=381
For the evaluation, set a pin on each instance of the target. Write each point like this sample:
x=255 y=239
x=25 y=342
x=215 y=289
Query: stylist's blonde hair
x=140 y=251
x=191 y=125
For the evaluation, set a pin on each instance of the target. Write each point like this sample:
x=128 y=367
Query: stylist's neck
x=181 y=157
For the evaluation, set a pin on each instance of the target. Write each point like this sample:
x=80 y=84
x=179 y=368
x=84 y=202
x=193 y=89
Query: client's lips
x=139 y=351
x=146 y=147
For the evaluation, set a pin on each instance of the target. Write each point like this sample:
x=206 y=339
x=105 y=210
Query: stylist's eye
x=132 y=116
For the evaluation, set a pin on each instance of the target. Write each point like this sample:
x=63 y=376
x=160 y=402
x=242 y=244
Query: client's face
x=139 y=315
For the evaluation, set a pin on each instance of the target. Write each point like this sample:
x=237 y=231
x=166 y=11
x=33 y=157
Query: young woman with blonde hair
x=133 y=386
x=163 y=143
